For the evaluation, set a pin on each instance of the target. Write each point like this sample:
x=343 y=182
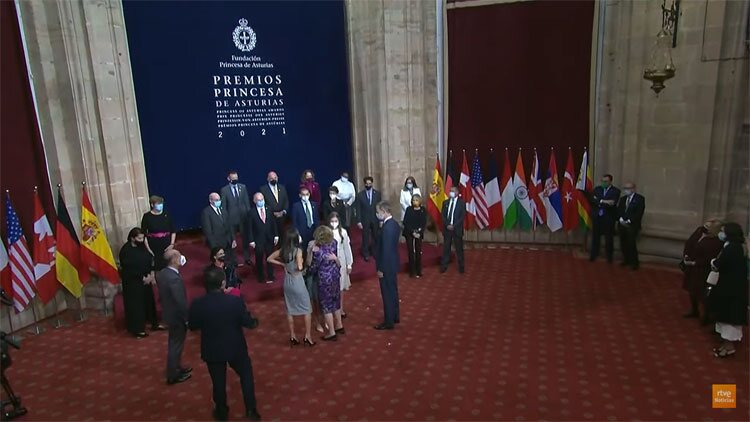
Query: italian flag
x=521 y=193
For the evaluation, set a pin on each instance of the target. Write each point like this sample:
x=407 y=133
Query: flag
x=450 y=176
x=465 y=190
x=437 y=196
x=478 y=199
x=551 y=196
x=21 y=266
x=5 y=270
x=584 y=187
x=510 y=214
x=492 y=194
x=68 y=255
x=95 y=250
x=521 y=193
x=538 y=214
x=570 y=208
x=44 y=254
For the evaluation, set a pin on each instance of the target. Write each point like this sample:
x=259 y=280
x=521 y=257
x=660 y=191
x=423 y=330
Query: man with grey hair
x=630 y=209
x=387 y=264
x=174 y=313
x=217 y=228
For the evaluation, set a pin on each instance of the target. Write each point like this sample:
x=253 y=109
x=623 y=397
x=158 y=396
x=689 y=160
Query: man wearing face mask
x=276 y=198
x=347 y=193
x=305 y=217
x=236 y=201
x=387 y=265
x=367 y=200
x=454 y=213
x=263 y=237
x=217 y=229
x=604 y=203
x=174 y=310
x=630 y=210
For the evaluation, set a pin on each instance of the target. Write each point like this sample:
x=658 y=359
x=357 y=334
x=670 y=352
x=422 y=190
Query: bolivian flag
x=96 y=253
x=437 y=196
x=68 y=253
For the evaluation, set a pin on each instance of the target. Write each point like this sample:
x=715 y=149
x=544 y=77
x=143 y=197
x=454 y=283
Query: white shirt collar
x=387 y=218
x=173 y=269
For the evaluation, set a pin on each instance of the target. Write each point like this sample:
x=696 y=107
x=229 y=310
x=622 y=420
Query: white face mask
x=344 y=179
x=183 y=260
x=452 y=194
x=334 y=224
x=305 y=198
x=333 y=196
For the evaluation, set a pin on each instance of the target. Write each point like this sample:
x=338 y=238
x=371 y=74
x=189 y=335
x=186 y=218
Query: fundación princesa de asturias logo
x=244 y=36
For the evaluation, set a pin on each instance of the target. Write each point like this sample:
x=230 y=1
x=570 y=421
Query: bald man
x=276 y=199
x=630 y=211
x=217 y=228
x=174 y=311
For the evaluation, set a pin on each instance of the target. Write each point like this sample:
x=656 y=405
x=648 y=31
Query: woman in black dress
x=332 y=203
x=136 y=271
x=728 y=298
x=415 y=220
x=159 y=231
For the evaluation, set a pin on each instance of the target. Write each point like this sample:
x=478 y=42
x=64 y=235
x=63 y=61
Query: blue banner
x=246 y=85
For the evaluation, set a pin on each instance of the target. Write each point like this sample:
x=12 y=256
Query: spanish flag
x=68 y=254
x=96 y=253
x=437 y=196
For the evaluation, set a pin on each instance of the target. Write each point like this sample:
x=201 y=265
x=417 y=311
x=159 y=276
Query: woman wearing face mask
x=296 y=297
x=415 y=221
x=703 y=246
x=217 y=258
x=728 y=298
x=410 y=189
x=159 y=230
x=308 y=181
x=333 y=204
x=322 y=259
x=137 y=273
x=344 y=252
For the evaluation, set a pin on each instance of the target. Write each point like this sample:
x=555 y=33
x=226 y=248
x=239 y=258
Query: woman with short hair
x=159 y=231
x=137 y=274
x=415 y=221
x=308 y=181
x=333 y=204
x=322 y=259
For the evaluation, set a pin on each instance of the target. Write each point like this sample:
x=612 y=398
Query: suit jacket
x=220 y=318
x=633 y=211
x=259 y=232
x=172 y=296
x=386 y=254
x=275 y=206
x=365 y=210
x=459 y=214
x=216 y=228
x=238 y=207
x=609 y=211
x=299 y=219
x=328 y=209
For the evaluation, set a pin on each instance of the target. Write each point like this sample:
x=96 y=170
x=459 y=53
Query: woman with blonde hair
x=322 y=259
x=344 y=253
x=159 y=230
x=415 y=221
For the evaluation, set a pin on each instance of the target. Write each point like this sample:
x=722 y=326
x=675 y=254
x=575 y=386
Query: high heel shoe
x=330 y=338
x=308 y=342
x=293 y=342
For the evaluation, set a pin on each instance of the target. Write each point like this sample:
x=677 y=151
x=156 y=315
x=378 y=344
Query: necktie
x=369 y=196
x=309 y=215
x=451 y=209
x=218 y=211
x=234 y=188
x=276 y=193
x=627 y=202
x=263 y=214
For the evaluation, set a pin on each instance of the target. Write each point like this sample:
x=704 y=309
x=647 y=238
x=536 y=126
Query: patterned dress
x=329 y=288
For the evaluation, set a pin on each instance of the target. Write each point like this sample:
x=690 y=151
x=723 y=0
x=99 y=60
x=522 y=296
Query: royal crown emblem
x=244 y=36
x=89 y=232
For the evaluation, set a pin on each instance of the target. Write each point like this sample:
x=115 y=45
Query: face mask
x=234 y=182
x=183 y=260
x=368 y=187
x=452 y=194
x=217 y=204
x=139 y=242
x=273 y=182
x=380 y=216
x=300 y=239
x=409 y=186
x=333 y=196
x=221 y=258
x=605 y=184
x=627 y=192
x=722 y=236
x=305 y=198
x=159 y=207
x=334 y=224
x=260 y=204
x=344 y=179
x=308 y=178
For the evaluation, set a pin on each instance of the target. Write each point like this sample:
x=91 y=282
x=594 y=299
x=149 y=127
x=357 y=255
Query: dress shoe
x=253 y=415
x=330 y=338
x=180 y=378
x=221 y=414
x=443 y=270
x=396 y=321
x=383 y=327
x=341 y=331
x=635 y=267
x=186 y=369
x=158 y=327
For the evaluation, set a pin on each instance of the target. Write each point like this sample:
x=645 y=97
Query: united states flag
x=478 y=197
x=21 y=265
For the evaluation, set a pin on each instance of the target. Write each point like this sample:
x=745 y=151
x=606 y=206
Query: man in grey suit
x=216 y=228
x=174 y=311
x=236 y=201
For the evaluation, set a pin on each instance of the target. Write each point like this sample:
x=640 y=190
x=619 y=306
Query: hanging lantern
x=660 y=67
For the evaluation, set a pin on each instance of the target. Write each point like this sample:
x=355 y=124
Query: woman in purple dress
x=321 y=256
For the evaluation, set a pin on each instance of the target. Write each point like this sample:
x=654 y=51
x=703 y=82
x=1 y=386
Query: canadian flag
x=5 y=270
x=44 y=254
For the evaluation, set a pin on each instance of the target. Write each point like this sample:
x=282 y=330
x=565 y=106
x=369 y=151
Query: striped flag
x=509 y=196
x=478 y=198
x=538 y=214
x=68 y=255
x=437 y=196
x=492 y=193
x=95 y=250
x=521 y=192
x=551 y=195
x=21 y=265
x=584 y=187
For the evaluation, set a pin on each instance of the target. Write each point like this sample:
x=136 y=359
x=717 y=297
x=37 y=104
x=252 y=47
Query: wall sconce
x=660 y=66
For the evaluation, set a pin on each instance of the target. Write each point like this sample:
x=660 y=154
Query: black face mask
x=273 y=182
x=368 y=187
x=220 y=258
x=139 y=242
x=234 y=182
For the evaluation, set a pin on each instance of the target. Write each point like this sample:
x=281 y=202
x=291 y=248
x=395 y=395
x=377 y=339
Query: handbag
x=713 y=278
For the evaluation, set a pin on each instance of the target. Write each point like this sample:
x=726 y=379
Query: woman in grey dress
x=296 y=296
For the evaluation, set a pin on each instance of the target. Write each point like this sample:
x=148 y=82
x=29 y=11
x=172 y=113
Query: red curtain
x=519 y=76
x=22 y=160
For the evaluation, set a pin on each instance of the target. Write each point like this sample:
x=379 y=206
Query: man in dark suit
x=454 y=213
x=366 y=202
x=174 y=313
x=630 y=209
x=216 y=228
x=236 y=201
x=388 y=265
x=305 y=216
x=604 y=203
x=220 y=318
x=276 y=198
x=263 y=237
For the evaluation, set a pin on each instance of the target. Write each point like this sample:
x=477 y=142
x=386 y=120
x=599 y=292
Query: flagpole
x=105 y=311
x=81 y=311
x=58 y=322
x=36 y=329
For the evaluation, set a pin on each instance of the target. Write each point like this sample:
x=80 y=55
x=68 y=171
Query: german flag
x=68 y=254
x=95 y=251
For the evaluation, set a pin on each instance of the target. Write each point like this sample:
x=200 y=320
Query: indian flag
x=508 y=196
x=521 y=193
